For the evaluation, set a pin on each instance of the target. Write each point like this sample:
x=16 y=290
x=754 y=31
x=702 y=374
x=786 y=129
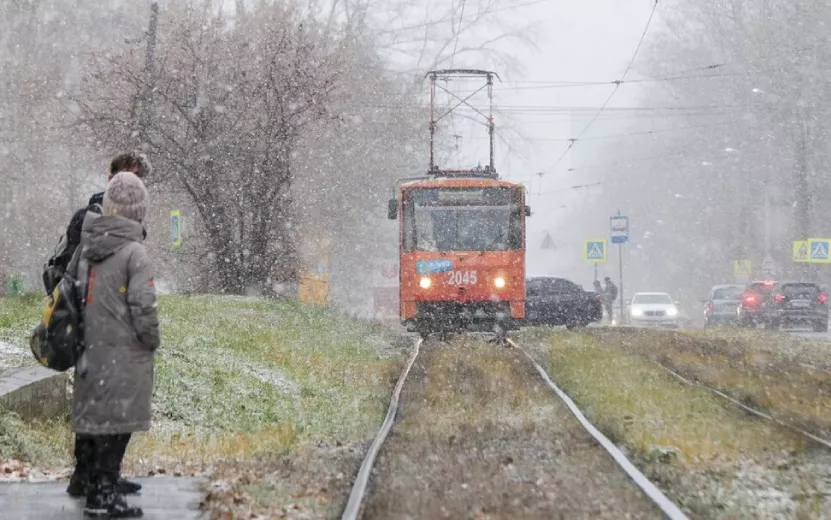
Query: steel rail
x=356 y=496
x=745 y=407
x=669 y=508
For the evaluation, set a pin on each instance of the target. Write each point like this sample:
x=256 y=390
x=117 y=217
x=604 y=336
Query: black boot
x=78 y=484
x=84 y=458
x=128 y=487
x=105 y=500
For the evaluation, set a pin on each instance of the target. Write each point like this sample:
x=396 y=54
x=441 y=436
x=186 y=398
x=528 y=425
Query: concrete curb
x=34 y=392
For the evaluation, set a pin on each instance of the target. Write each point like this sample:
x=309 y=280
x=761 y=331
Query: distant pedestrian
x=126 y=162
x=114 y=376
x=609 y=296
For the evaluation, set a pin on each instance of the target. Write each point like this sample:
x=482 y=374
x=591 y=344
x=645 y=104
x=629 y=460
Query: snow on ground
x=271 y=377
x=12 y=356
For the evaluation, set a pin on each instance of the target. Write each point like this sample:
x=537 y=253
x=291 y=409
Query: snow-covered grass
x=696 y=444
x=636 y=402
x=783 y=375
x=18 y=317
x=243 y=377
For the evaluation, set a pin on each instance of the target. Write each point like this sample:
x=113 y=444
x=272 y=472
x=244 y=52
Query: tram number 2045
x=461 y=278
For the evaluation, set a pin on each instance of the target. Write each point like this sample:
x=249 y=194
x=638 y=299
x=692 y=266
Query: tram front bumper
x=469 y=316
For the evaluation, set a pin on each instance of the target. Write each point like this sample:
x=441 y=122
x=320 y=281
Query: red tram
x=461 y=246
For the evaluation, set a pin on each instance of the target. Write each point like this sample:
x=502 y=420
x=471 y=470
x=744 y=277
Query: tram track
x=480 y=435
x=758 y=413
x=356 y=495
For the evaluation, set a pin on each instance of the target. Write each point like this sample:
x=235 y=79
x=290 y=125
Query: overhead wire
x=458 y=33
x=615 y=136
x=439 y=22
x=611 y=95
x=574 y=84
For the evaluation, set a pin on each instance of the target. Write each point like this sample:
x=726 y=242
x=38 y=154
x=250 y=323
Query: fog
x=714 y=142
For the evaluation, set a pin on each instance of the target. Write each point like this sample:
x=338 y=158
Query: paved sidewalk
x=163 y=498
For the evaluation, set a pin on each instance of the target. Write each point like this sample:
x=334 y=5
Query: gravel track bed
x=480 y=435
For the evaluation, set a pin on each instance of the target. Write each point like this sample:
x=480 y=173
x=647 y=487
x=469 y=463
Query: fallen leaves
x=13 y=470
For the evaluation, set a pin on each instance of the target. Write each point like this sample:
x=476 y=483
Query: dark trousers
x=609 y=310
x=100 y=456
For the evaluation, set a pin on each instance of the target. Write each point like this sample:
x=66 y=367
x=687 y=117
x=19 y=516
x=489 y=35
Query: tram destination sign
x=464 y=196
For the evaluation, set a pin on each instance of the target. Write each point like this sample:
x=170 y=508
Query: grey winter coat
x=114 y=377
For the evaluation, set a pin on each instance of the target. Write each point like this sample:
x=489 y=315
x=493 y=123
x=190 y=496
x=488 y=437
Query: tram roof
x=457 y=181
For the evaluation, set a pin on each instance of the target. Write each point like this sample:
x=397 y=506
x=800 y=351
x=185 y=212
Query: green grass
x=237 y=378
x=40 y=443
x=774 y=372
x=18 y=317
x=637 y=403
x=691 y=441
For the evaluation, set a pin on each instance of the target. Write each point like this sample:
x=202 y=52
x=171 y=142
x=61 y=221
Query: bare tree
x=230 y=104
x=736 y=180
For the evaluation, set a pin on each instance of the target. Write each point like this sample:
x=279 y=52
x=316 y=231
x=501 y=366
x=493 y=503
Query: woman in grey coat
x=114 y=377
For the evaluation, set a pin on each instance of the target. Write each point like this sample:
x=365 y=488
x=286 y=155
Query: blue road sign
x=620 y=229
x=819 y=250
x=595 y=250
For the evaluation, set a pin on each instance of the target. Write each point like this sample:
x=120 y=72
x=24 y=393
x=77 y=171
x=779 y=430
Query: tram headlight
x=499 y=282
x=425 y=282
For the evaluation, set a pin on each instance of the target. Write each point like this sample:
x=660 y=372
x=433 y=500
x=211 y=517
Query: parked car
x=799 y=303
x=722 y=304
x=755 y=307
x=653 y=309
x=556 y=302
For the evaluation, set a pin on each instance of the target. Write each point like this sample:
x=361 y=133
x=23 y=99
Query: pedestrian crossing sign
x=800 y=251
x=818 y=250
x=742 y=270
x=595 y=250
x=176 y=228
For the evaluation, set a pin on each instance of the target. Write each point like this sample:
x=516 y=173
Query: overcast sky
x=589 y=40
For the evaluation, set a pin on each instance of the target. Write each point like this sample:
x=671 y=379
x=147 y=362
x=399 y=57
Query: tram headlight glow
x=499 y=282
x=425 y=282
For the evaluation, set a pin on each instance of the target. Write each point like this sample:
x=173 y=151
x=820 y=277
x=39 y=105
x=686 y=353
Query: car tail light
x=709 y=305
x=822 y=298
x=750 y=298
x=779 y=298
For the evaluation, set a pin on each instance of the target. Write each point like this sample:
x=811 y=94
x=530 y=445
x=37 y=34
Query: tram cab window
x=462 y=219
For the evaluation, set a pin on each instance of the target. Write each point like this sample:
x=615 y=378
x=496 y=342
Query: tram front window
x=458 y=221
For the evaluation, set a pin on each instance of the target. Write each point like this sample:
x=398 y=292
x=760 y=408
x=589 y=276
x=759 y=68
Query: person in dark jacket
x=127 y=162
x=113 y=383
x=141 y=167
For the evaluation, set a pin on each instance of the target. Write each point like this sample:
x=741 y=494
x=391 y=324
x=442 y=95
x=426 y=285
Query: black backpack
x=58 y=340
x=55 y=267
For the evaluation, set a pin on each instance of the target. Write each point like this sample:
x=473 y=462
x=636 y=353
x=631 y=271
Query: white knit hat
x=126 y=196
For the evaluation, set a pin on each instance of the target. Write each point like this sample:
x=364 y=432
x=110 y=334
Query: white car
x=653 y=308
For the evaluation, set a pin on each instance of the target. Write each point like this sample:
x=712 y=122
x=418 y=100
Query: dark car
x=721 y=304
x=557 y=301
x=799 y=303
x=756 y=305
